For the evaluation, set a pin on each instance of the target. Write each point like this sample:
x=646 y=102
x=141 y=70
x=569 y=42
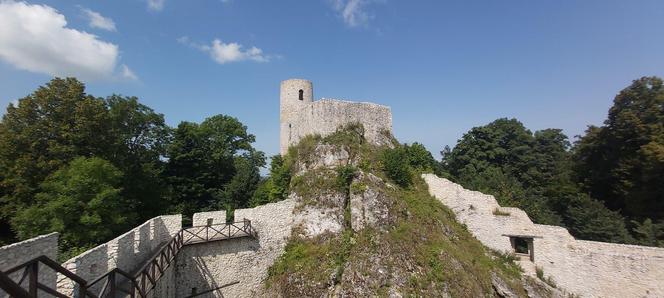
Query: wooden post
x=531 y=249
x=33 y=278
x=111 y=284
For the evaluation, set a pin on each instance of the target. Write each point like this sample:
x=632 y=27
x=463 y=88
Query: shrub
x=395 y=166
x=499 y=212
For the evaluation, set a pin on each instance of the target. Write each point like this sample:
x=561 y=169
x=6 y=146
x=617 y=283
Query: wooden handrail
x=11 y=287
x=150 y=272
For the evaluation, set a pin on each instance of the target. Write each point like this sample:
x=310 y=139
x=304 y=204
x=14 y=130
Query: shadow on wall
x=128 y=252
x=207 y=266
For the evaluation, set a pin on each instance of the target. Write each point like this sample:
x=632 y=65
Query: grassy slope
x=423 y=251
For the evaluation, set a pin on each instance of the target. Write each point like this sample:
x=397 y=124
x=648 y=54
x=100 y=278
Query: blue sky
x=443 y=66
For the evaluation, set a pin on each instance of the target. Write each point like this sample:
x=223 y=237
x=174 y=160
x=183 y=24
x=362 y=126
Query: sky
x=442 y=66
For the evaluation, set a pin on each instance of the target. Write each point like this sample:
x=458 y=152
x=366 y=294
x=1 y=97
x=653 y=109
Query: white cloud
x=227 y=52
x=128 y=73
x=156 y=5
x=36 y=38
x=352 y=12
x=96 y=20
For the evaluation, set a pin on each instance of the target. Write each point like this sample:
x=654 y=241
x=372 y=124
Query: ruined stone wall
x=324 y=116
x=127 y=252
x=201 y=218
x=165 y=287
x=586 y=268
x=18 y=253
x=210 y=265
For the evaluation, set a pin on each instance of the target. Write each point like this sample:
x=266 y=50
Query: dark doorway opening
x=521 y=246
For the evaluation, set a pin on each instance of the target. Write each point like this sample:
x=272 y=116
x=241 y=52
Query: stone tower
x=295 y=94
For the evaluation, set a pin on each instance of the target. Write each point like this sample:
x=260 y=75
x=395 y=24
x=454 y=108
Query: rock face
x=356 y=235
x=368 y=205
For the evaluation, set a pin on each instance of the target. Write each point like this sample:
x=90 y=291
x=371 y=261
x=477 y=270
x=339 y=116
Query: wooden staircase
x=116 y=282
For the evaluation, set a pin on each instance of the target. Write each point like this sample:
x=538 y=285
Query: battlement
x=300 y=115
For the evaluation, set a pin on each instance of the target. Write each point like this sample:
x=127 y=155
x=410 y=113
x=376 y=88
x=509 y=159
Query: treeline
x=607 y=186
x=92 y=168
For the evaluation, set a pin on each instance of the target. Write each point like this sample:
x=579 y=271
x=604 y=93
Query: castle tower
x=294 y=95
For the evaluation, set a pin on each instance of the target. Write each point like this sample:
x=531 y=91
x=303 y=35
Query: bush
x=395 y=166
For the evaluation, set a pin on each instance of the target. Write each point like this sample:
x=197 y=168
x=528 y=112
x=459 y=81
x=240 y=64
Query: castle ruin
x=165 y=263
x=300 y=115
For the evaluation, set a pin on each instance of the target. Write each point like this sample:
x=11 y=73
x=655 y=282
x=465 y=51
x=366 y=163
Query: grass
x=448 y=256
x=499 y=212
x=548 y=280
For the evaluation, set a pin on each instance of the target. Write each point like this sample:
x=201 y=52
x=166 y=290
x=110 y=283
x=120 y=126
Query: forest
x=92 y=168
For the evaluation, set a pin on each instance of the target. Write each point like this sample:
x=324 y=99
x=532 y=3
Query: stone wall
x=585 y=268
x=201 y=218
x=127 y=252
x=165 y=287
x=210 y=265
x=18 y=253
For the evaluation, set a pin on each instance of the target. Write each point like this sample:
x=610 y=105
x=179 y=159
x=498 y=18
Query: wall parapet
x=586 y=268
x=127 y=251
x=19 y=253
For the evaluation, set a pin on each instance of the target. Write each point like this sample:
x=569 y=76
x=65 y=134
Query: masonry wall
x=210 y=265
x=586 y=268
x=165 y=287
x=128 y=251
x=324 y=116
x=18 y=253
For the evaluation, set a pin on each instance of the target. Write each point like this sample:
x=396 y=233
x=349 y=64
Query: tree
x=240 y=189
x=44 y=132
x=649 y=233
x=276 y=186
x=82 y=201
x=589 y=219
x=420 y=158
x=139 y=137
x=212 y=165
x=395 y=165
x=59 y=122
x=622 y=162
x=280 y=177
x=504 y=143
x=533 y=172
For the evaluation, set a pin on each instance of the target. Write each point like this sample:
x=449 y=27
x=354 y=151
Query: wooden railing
x=118 y=283
x=31 y=273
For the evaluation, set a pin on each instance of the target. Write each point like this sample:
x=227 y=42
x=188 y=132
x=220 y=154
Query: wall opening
x=523 y=245
x=301 y=94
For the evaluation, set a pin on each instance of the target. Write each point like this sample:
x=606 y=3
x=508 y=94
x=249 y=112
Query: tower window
x=301 y=94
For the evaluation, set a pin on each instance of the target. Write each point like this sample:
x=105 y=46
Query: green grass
x=448 y=255
x=548 y=280
x=499 y=212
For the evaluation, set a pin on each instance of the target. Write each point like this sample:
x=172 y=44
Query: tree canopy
x=533 y=172
x=64 y=152
x=622 y=162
